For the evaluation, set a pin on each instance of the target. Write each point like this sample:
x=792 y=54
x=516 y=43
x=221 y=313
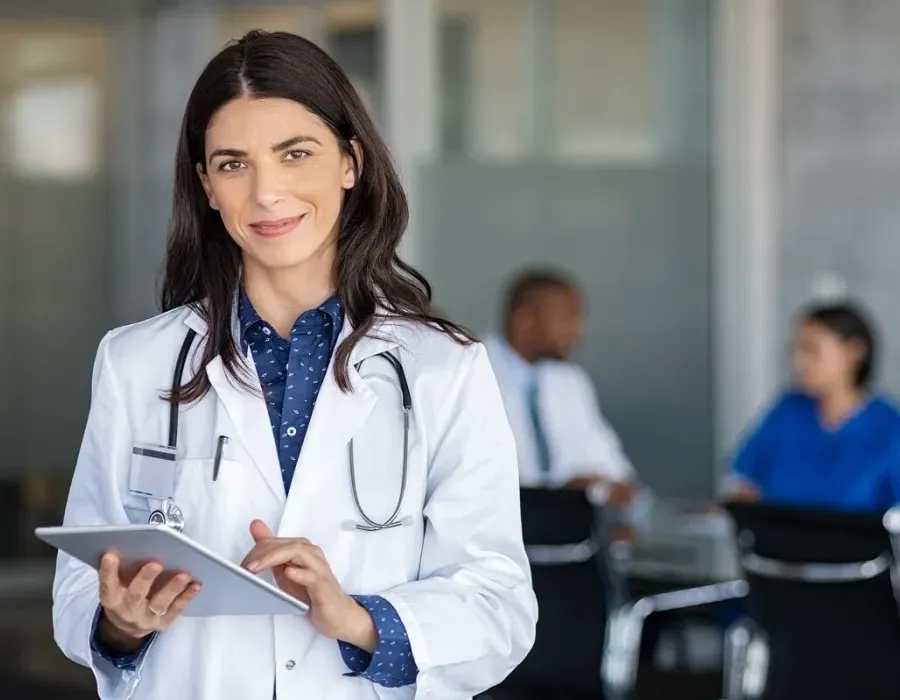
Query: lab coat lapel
x=248 y=414
x=337 y=417
x=250 y=418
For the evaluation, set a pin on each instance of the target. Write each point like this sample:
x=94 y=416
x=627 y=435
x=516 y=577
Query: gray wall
x=840 y=193
x=638 y=240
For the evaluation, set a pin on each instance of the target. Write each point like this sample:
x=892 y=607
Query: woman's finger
x=161 y=602
x=260 y=531
x=315 y=550
x=285 y=552
x=305 y=577
x=260 y=551
x=181 y=601
x=140 y=585
x=110 y=588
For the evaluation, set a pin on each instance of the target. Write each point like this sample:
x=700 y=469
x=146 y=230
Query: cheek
x=231 y=197
x=321 y=187
x=807 y=364
x=325 y=202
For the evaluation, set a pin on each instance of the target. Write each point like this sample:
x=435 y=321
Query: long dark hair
x=202 y=267
x=848 y=322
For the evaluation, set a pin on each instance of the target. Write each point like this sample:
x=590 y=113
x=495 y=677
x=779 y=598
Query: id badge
x=152 y=471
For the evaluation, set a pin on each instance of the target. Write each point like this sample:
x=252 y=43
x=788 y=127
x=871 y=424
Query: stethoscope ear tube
x=176 y=382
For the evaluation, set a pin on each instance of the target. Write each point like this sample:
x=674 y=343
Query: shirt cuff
x=123 y=662
x=391 y=664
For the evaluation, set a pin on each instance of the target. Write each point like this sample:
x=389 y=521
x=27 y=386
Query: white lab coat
x=459 y=577
x=580 y=440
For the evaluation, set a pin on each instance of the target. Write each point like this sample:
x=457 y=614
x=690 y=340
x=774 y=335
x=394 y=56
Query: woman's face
x=823 y=361
x=276 y=174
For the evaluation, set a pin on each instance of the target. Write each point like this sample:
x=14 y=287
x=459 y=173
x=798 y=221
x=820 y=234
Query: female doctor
x=284 y=294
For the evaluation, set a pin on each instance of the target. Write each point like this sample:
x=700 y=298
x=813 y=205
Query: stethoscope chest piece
x=169 y=515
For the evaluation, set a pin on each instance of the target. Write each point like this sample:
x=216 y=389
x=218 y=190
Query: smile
x=278 y=227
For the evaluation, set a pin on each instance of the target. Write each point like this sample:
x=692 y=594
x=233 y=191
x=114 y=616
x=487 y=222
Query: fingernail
x=253 y=565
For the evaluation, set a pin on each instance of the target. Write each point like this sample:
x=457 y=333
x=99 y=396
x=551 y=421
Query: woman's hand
x=301 y=570
x=744 y=492
x=136 y=606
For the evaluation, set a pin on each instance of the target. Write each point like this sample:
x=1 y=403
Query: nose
x=268 y=186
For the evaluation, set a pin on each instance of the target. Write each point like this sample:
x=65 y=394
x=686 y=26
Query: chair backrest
x=821 y=591
x=563 y=536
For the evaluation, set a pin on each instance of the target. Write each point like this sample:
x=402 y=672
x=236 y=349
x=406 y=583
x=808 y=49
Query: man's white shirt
x=580 y=441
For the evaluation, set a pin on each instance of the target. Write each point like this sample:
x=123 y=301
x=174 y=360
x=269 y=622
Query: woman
x=282 y=257
x=832 y=443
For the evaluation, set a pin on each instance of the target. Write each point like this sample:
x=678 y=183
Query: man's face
x=557 y=322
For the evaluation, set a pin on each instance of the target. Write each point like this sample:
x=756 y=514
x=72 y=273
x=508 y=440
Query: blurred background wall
x=840 y=156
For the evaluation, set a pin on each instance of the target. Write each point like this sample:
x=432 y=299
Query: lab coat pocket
x=214 y=511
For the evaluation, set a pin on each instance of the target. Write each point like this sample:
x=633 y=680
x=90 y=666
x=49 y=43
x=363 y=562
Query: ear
x=352 y=170
x=204 y=180
x=857 y=349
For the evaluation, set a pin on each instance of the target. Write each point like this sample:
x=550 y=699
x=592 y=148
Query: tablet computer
x=227 y=588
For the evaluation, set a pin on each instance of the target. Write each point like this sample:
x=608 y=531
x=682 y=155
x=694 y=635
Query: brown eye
x=297 y=155
x=230 y=166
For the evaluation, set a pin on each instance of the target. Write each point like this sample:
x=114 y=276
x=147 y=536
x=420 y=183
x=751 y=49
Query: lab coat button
x=290 y=665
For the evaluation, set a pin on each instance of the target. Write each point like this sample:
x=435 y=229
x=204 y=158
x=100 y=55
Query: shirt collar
x=520 y=370
x=248 y=318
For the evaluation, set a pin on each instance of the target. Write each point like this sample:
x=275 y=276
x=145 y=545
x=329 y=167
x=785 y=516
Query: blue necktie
x=540 y=439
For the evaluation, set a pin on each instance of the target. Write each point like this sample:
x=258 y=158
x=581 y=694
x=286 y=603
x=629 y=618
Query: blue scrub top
x=794 y=460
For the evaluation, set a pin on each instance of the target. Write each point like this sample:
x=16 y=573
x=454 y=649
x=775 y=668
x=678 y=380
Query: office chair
x=574 y=584
x=824 y=620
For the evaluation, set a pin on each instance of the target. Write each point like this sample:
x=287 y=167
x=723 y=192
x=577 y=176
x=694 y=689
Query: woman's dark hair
x=849 y=323
x=203 y=264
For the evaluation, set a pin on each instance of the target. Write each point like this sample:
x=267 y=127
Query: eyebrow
x=235 y=153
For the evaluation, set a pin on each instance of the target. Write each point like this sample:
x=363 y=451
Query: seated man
x=561 y=436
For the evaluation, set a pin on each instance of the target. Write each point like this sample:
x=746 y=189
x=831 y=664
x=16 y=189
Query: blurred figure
x=830 y=442
x=562 y=437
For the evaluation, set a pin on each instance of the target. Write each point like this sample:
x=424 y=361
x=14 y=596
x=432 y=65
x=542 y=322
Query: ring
x=158 y=614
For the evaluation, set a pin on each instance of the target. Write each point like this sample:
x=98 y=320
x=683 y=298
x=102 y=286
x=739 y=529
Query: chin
x=288 y=256
x=809 y=390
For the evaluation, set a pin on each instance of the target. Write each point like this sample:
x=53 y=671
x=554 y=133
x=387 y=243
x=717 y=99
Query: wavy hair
x=203 y=264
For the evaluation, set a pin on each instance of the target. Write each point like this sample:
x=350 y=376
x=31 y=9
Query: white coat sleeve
x=471 y=616
x=94 y=499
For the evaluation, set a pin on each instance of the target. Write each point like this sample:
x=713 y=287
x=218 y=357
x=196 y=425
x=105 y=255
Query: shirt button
x=290 y=665
x=291 y=431
x=267 y=331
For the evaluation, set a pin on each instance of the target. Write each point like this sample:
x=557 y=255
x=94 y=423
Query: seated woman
x=831 y=442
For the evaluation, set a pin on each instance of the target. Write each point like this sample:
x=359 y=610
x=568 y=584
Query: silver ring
x=158 y=614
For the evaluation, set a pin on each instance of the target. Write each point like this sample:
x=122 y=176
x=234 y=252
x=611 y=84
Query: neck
x=522 y=349
x=280 y=296
x=837 y=405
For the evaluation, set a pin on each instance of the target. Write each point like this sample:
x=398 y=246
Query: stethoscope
x=170 y=514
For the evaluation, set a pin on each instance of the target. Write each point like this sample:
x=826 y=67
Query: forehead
x=260 y=122
x=815 y=332
x=557 y=297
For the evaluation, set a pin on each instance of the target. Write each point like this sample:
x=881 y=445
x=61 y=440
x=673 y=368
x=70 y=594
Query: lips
x=276 y=227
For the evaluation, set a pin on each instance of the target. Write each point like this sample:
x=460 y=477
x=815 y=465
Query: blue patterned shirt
x=291 y=373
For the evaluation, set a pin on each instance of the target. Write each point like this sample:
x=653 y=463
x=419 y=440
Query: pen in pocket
x=217 y=462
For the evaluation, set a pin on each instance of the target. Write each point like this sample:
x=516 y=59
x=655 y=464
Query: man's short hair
x=527 y=286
